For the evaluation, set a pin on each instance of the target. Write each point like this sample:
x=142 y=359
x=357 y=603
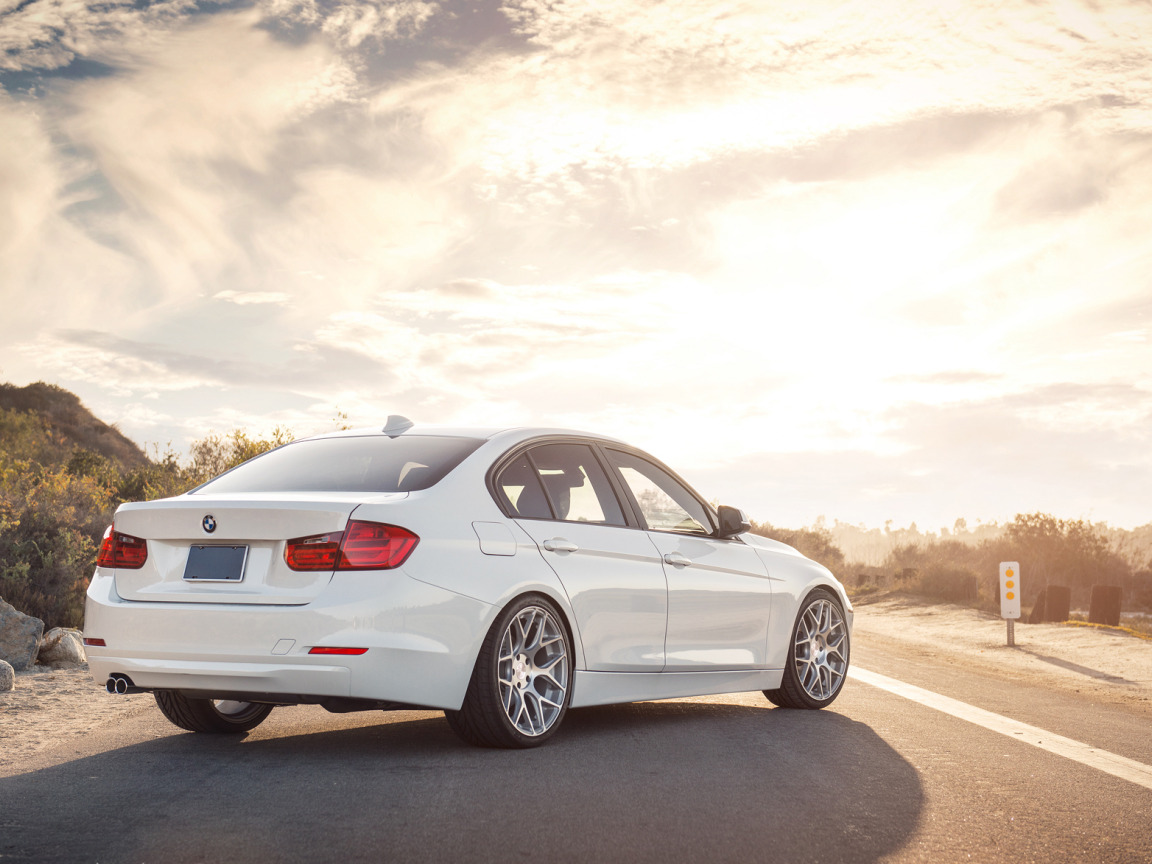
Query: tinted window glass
x=577 y=486
x=520 y=488
x=666 y=504
x=370 y=464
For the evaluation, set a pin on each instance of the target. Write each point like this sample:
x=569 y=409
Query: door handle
x=559 y=544
x=677 y=560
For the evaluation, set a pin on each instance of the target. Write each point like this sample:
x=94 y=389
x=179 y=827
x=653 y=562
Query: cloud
x=1065 y=170
x=950 y=377
x=53 y=35
x=187 y=142
x=470 y=288
x=31 y=179
x=1072 y=450
x=353 y=23
x=695 y=79
x=465 y=340
x=44 y=254
x=128 y=366
x=820 y=237
x=249 y=298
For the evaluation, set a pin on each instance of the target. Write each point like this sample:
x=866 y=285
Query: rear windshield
x=370 y=464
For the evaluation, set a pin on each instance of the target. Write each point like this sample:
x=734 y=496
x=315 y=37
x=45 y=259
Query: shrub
x=43 y=569
x=56 y=503
x=953 y=584
x=816 y=543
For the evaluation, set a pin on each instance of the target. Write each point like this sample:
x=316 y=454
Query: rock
x=7 y=676
x=19 y=636
x=62 y=647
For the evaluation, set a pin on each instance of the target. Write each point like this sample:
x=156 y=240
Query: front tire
x=818 y=656
x=211 y=715
x=520 y=688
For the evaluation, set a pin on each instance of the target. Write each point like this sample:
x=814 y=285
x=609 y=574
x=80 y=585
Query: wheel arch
x=822 y=678
x=833 y=587
x=801 y=576
x=489 y=718
x=562 y=606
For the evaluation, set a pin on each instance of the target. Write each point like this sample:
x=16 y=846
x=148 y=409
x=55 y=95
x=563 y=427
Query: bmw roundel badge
x=209 y=523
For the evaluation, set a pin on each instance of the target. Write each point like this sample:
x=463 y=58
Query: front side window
x=665 y=503
x=367 y=463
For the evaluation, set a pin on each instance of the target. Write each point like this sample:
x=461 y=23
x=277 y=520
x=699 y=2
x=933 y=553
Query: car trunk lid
x=254 y=527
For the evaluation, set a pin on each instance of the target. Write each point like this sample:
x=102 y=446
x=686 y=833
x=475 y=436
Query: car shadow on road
x=659 y=781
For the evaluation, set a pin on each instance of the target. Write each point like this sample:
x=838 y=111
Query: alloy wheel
x=532 y=670
x=819 y=649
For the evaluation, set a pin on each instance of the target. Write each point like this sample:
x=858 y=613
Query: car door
x=560 y=494
x=719 y=593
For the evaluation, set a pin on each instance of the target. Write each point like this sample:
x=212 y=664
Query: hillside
x=72 y=423
x=63 y=472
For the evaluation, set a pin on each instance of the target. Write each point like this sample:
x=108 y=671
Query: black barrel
x=1105 y=605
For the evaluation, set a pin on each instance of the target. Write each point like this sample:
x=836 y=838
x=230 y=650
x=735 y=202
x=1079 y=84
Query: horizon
x=867 y=262
x=960 y=527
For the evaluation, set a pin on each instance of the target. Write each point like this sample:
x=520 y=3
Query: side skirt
x=609 y=688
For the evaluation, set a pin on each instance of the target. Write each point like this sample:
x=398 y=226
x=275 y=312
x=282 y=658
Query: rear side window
x=370 y=464
x=520 y=488
x=559 y=481
x=576 y=484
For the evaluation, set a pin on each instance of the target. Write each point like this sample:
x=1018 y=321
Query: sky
x=863 y=260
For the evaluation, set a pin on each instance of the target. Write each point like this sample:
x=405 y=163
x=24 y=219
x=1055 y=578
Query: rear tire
x=211 y=715
x=520 y=688
x=818 y=656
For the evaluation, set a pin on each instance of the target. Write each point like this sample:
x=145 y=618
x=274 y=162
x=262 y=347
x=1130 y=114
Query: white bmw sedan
x=501 y=576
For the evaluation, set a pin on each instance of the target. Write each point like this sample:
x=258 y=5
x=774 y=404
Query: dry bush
x=56 y=499
x=815 y=542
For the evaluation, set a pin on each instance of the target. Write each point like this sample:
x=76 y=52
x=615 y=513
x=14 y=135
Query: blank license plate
x=216 y=563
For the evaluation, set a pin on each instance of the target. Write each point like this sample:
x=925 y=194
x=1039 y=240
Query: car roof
x=486 y=433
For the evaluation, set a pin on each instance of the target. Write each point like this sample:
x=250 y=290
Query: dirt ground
x=51 y=705
x=1106 y=662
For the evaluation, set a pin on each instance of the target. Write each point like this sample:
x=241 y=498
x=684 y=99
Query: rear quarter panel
x=449 y=553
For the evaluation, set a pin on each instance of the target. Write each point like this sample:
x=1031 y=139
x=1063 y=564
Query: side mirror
x=732 y=522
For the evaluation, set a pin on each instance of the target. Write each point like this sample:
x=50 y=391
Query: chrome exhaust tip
x=120 y=684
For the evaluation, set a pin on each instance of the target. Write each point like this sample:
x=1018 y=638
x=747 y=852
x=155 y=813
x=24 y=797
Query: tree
x=215 y=454
x=1067 y=552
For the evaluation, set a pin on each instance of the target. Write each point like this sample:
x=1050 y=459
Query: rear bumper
x=422 y=642
x=286 y=680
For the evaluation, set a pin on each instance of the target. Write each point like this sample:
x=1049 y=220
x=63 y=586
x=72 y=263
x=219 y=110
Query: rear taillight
x=314 y=553
x=371 y=546
x=121 y=550
x=360 y=546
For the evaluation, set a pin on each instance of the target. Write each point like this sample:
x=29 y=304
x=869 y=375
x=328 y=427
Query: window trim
x=629 y=507
x=524 y=448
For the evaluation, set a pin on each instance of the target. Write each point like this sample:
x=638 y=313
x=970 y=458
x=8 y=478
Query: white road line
x=1102 y=760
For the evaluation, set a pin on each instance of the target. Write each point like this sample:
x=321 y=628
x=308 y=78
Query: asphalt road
x=876 y=778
